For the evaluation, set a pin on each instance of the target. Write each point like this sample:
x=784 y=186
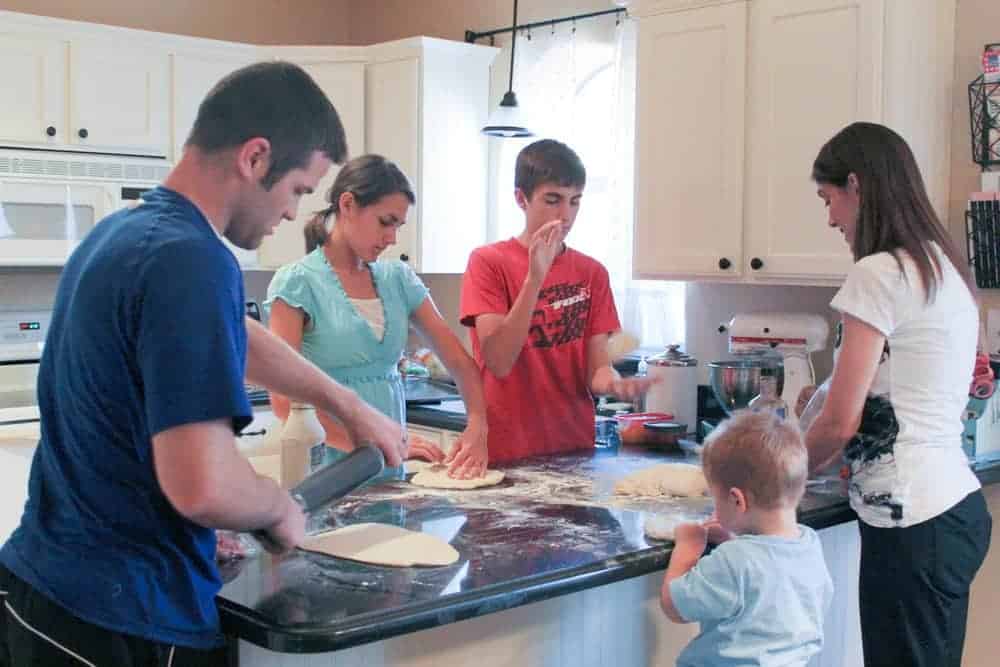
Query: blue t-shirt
x=147 y=334
x=760 y=600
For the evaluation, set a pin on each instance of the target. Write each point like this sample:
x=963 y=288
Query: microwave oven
x=49 y=201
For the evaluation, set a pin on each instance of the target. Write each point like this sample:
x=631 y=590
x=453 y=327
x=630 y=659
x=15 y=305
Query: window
x=577 y=84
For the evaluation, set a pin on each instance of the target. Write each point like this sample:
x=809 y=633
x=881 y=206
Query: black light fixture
x=506 y=120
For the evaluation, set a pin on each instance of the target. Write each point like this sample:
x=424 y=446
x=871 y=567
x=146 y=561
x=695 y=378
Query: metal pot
x=737 y=381
x=677 y=391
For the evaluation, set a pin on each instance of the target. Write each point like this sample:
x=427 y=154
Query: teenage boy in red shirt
x=540 y=314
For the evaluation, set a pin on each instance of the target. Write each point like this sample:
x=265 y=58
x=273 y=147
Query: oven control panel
x=22 y=334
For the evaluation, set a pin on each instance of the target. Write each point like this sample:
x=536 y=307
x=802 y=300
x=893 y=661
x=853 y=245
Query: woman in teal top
x=350 y=314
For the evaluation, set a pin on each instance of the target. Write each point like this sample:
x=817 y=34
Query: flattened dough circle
x=383 y=544
x=437 y=478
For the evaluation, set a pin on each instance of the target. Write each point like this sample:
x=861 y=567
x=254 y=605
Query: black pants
x=35 y=632
x=915 y=586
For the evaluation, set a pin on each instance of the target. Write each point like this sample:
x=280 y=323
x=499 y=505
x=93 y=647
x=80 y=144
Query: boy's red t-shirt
x=544 y=406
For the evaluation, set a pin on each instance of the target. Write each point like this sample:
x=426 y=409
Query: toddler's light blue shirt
x=760 y=600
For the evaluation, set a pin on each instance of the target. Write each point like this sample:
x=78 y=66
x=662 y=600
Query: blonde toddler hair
x=761 y=454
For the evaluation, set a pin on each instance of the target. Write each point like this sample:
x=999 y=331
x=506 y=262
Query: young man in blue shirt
x=140 y=391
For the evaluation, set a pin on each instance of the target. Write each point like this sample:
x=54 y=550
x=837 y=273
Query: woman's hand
x=469 y=457
x=805 y=394
x=421 y=448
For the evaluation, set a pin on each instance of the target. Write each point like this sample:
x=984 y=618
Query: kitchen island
x=554 y=569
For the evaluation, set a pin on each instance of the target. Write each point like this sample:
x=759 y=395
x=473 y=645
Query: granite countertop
x=551 y=527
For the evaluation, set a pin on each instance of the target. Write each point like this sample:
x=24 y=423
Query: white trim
x=46 y=638
x=170 y=658
x=3 y=593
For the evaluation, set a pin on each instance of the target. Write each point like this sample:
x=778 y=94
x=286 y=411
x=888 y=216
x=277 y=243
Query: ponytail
x=315 y=231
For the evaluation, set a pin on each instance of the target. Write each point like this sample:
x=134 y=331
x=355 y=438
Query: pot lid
x=672 y=356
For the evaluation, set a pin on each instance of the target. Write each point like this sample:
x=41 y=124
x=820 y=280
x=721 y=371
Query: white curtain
x=576 y=83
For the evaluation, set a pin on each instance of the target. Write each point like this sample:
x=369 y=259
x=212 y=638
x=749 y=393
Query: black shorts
x=914 y=588
x=35 y=632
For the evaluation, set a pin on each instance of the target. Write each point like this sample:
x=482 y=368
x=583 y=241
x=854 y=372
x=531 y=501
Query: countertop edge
x=366 y=628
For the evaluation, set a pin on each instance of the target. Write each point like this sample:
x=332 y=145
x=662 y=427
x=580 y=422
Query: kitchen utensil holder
x=984 y=121
x=982 y=229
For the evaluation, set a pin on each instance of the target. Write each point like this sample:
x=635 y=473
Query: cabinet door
x=392 y=123
x=33 y=71
x=193 y=77
x=814 y=68
x=689 y=143
x=344 y=84
x=119 y=98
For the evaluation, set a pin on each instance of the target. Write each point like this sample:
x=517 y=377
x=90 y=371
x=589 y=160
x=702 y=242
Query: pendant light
x=506 y=120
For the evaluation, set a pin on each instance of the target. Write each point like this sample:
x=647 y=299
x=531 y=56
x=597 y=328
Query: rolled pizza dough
x=383 y=544
x=436 y=477
x=667 y=479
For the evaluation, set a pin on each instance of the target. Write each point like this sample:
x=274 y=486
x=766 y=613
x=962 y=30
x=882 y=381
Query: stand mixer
x=792 y=335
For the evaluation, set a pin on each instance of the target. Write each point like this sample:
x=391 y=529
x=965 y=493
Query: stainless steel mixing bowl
x=737 y=381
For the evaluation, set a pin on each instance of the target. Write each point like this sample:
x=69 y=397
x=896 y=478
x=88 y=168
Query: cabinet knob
x=756 y=264
x=724 y=263
x=404 y=257
x=50 y=131
x=83 y=134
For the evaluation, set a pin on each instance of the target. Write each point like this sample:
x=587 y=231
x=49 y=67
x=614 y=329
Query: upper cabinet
x=340 y=72
x=691 y=69
x=426 y=102
x=82 y=94
x=723 y=162
x=119 y=98
x=34 y=74
x=420 y=102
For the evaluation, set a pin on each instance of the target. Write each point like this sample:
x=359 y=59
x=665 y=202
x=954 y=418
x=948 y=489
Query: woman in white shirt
x=904 y=361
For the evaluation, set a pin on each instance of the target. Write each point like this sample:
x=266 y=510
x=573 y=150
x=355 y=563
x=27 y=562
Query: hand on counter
x=469 y=456
x=421 y=448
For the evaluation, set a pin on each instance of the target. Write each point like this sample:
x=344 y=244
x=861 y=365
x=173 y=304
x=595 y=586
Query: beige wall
x=977 y=23
x=383 y=20
x=251 y=21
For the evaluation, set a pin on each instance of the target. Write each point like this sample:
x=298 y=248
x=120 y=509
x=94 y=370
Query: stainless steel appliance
x=22 y=337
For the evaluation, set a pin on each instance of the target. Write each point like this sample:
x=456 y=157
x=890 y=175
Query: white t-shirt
x=372 y=313
x=907 y=463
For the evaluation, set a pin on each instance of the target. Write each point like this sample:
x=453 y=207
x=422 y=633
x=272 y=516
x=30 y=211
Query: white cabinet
x=814 y=68
x=691 y=69
x=426 y=102
x=723 y=159
x=33 y=71
x=83 y=94
x=340 y=72
x=119 y=98
x=193 y=76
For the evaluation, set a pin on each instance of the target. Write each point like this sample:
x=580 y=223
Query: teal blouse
x=339 y=340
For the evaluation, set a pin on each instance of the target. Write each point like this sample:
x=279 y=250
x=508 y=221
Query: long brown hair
x=895 y=213
x=369 y=178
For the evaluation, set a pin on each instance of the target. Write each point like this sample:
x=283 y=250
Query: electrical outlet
x=993 y=331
